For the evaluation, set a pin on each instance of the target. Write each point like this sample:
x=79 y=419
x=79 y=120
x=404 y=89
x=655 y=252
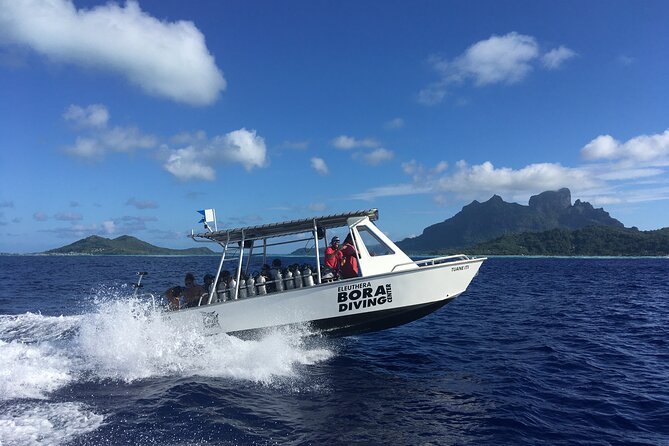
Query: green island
x=123 y=245
x=589 y=241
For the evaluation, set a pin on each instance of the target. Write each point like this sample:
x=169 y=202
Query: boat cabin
x=376 y=254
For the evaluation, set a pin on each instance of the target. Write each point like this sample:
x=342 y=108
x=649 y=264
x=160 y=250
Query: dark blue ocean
x=538 y=351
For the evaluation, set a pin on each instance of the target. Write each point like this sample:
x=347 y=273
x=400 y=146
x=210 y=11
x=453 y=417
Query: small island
x=123 y=245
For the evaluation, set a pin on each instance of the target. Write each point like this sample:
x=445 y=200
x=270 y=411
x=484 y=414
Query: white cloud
x=186 y=164
x=433 y=93
x=87 y=148
x=500 y=59
x=195 y=161
x=127 y=139
x=392 y=190
x=629 y=174
x=188 y=138
x=68 y=216
x=348 y=142
x=484 y=179
x=376 y=156
x=109 y=227
x=319 y=165
x=440 y=167
x=554 y=59
x=506 y=59
x=100 y=139
x=602 y=147
x=634 y=171
x=393 y=124
x=420 y=174
x=643 y=148
x=242 y=146
x=167 y=59
x=95 y=115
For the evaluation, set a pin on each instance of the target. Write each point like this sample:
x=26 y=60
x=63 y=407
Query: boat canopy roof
x=285 y=228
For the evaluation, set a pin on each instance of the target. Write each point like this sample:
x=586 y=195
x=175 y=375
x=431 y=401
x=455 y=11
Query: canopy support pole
x=214 y=285
x=239 y=266
x=318 y=257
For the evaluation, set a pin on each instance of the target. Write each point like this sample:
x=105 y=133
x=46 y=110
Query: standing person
x=349 y=263
x=333 y=255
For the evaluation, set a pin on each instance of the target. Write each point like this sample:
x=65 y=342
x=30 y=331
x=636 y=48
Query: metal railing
x=433 y=261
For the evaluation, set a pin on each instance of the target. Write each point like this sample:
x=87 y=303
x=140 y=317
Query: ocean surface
x=538 y=351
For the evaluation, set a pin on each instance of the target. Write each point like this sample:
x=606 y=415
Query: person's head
x=348 y=240
x=174 y=291
x=334 y=242
x=189 y=280
x=208 y=279
x=276 y=263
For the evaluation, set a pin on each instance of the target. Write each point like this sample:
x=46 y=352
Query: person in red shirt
x=333 y=255
x=349 y=264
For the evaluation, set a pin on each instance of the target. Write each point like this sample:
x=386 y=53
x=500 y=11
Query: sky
x=128 y=117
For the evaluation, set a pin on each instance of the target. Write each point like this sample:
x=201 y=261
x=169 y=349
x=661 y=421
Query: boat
x=390 y=290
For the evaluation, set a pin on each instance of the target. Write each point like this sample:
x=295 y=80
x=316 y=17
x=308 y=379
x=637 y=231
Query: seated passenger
x=333 y=256
x=208 y=280
x=192 y=291
x=173 y=296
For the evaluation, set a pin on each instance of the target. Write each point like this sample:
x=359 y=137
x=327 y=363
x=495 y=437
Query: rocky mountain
x=123 y=245
x=480 y=222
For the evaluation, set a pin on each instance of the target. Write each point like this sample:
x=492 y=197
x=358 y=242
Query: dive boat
x=390 y=290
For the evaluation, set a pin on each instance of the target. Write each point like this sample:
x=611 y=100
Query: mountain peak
x=478 y=222
x=551 y=201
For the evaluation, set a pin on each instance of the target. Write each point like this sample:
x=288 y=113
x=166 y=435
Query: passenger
x=333 y=256
x=173 y=296
x=192 y=291
x=349 y=264
x=208 y=280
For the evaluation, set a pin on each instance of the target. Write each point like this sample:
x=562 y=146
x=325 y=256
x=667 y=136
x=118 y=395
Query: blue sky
x=125 y=118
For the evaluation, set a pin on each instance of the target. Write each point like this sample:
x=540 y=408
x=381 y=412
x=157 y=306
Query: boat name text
x=363 y=295
x=459 y=268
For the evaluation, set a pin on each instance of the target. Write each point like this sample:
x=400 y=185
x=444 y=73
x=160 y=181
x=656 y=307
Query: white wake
x=124 y=339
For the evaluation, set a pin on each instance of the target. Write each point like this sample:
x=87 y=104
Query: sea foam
x=28 y=424
x=124 y=339
x=128 y=340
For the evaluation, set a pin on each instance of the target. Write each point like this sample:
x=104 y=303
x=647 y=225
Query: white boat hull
x=340 y=308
